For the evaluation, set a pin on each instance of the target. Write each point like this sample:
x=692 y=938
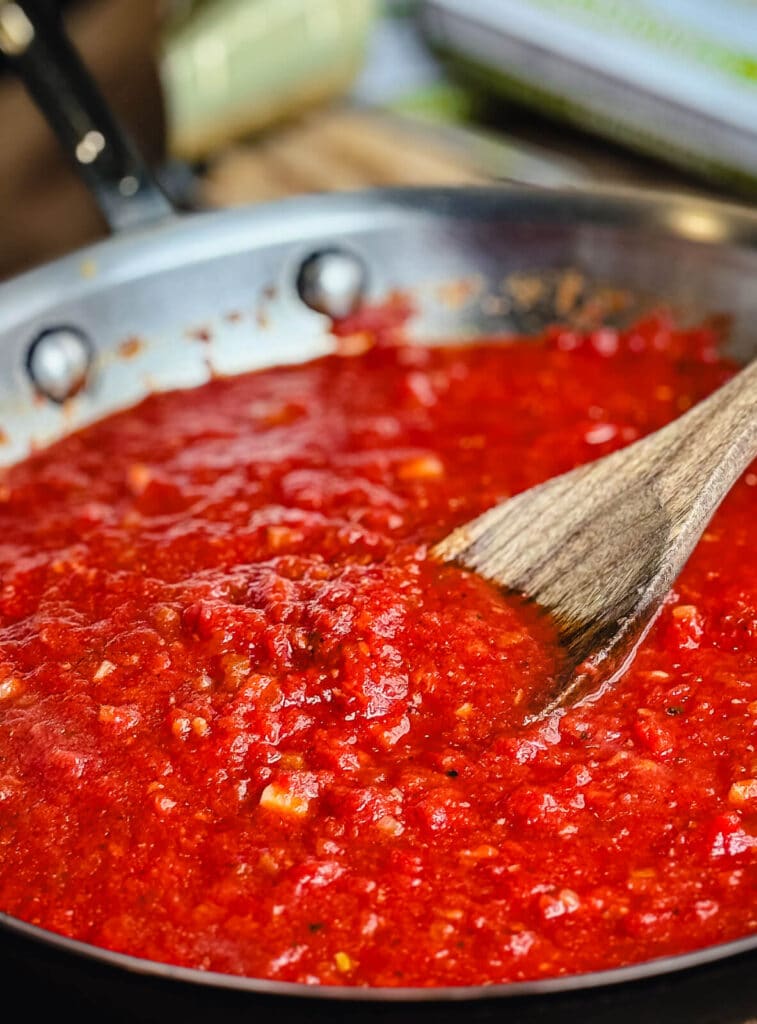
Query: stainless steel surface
x=450 y=249
x=161 y=304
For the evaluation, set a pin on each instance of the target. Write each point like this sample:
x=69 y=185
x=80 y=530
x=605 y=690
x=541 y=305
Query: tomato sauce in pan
x=247 y=725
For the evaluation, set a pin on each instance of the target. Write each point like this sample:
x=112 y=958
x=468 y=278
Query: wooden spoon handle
x=700 y=455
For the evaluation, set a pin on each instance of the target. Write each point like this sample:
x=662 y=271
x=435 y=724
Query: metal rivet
x=58 y=362
x=90 y=147
x=332 y=281
x=128 y=185
x=16 y=31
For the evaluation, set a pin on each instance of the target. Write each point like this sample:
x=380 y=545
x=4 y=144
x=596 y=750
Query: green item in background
x=402 y=76
x=673 y=78
x=230 y=67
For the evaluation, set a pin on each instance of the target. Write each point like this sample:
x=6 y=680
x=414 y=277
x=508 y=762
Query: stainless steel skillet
x=158 y=303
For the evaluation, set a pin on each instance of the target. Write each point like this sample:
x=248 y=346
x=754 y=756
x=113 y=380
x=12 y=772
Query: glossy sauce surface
x=247 y=726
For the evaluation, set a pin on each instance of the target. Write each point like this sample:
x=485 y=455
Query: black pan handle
x=33 y=39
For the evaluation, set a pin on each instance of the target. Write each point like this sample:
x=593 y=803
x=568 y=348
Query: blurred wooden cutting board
x=335 y=150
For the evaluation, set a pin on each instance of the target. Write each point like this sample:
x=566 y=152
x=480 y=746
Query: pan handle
x=33 y=39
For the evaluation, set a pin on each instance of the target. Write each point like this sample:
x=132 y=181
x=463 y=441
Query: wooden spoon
x=599 y=547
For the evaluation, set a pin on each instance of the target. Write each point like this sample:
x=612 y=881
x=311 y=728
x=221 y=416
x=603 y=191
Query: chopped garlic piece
x=286 y=801
x=742 y=792
x=10 y=687
x=343 y=962
x=104 y=669
x=425 y=467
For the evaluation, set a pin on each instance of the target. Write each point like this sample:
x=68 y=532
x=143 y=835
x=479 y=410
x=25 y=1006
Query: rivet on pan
x=58 y=362
x=16 y=31
x=332 y=281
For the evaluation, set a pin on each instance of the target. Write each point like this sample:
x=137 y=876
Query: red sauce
x=247 y=726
